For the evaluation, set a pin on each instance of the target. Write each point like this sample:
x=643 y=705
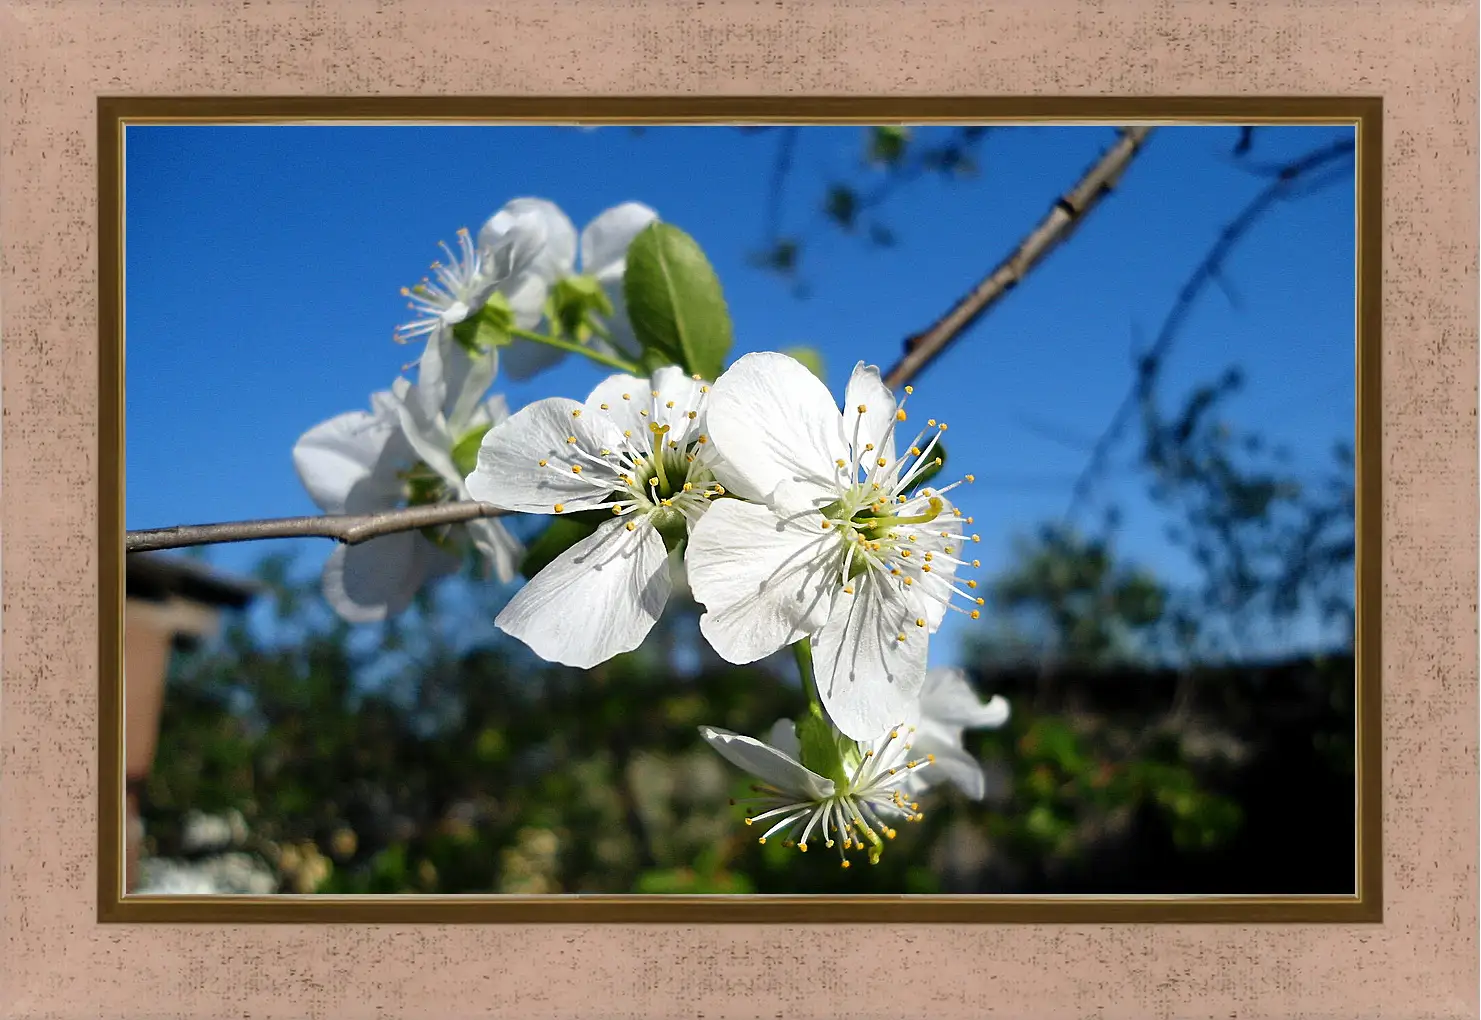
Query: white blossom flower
x=357 y=463
x=837 y=545
x=636 y=448
x=948 y=706
x=602 y=248
x=797 y=802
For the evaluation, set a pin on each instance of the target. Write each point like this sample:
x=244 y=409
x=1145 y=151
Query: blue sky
x=263 y=266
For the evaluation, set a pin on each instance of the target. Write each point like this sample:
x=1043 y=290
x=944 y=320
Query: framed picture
x=955 y=513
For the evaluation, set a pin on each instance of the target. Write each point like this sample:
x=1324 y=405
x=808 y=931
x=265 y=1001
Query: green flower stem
x=610 y=360
x=802 y=651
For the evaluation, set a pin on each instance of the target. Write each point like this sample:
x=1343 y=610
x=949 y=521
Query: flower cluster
x=793 y=522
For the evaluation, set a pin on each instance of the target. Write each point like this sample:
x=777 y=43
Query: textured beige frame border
x=58 y=961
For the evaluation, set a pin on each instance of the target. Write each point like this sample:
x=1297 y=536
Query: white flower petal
x=452 y=382
x=768 y=764
x=531 y=218
x=336 y=456
x=948 y=698
x=597 y=599
x=764 y=581
x=876 y=425
x=509 y=474
x=522 y=360
x=502 y=550
x=378 y=579
x=951 y=764
x=425 y=429
x=773 y=421
x=783 y=737
x=868 y=679
x=631 y=406
x=605 y=240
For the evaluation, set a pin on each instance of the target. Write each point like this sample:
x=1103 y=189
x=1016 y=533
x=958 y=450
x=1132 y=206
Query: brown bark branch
x=350 y=529
x=1067 y=214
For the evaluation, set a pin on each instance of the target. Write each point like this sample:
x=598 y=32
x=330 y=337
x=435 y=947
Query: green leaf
x=562 y=533
x=811 y=358
x=675 y=302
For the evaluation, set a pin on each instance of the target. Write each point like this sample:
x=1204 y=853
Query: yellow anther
x=901 y=499
x=863 y=409
x=750 y=821
x=977 y=538
x=981 y=602
x=688 y=486
x=560 y=508
x=848 y=590
x=900 y=414
x=627 y=396
x=606 y=408
x=931 y=422
x=802 y=847
x=696 y=377
x=881 y=462
x=704 y=389
x=627 y=433
x=704 y=438
x=575 y=469
x=909 y=390
x=947 y=549
x=920 y=621
x=970 y=520
x=846 y=864
x=909 y=581
x=643 y=413
x=929 y=556
x=840 y=462
x=544 y=462
x=971 y=584
x=693 y=415
x=938 y=462
x=976 y=614
x=976 y=564
x=899 y=637
x=570 y=440
x=669 y=404
x=971 y=479
x=827 y=525
x=925 y=568
x=942 y=426
x=655 y=393
x=762 y=840
x=632 y=526
x=576 y=413
x=905 y=553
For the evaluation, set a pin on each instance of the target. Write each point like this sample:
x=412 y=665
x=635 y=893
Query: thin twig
x=1206 y=273
x=1066 y=215
x=348 y=529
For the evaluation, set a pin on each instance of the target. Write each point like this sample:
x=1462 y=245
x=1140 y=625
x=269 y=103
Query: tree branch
x=1206 y=273
x=349 y=529
x=352 y=529
x=1066 y=215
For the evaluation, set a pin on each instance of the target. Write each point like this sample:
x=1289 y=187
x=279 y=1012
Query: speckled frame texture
x=58 y=960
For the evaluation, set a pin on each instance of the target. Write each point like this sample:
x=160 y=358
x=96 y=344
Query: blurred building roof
x=157 y=578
